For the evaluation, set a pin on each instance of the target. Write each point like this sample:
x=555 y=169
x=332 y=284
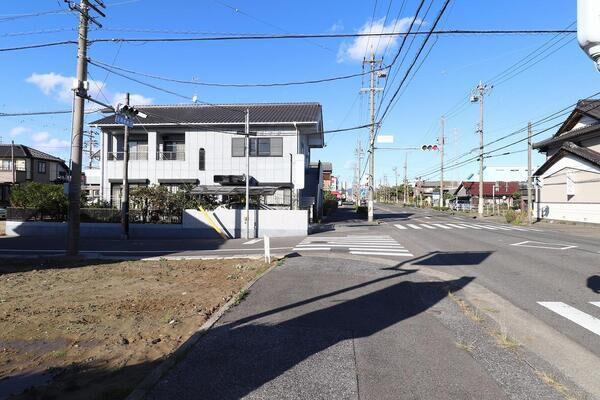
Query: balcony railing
x=170 y=155
x=133 y=155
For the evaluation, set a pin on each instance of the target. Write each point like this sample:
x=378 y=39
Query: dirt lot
x=93 y=330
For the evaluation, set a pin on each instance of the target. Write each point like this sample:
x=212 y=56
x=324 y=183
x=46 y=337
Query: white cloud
x=350 y=164
x=134 y=99
x=16 y=131
x=337 y=27
x=356 y=50
x=60 y=87
x=40 y=136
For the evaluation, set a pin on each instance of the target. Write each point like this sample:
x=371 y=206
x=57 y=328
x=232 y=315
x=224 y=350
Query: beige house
x=569 y=180
x=29 y=165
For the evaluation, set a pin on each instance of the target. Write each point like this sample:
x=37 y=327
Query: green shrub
x=510 y=216
x=48 y=198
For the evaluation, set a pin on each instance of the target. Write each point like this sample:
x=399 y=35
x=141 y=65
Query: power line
x=234 y=85
x=13 y=17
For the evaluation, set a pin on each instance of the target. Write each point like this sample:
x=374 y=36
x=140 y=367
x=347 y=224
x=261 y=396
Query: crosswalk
x=374 y=245
x=457 y=225
x=575 y=315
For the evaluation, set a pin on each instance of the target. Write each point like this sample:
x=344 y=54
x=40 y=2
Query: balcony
x=170 y=155
x=133 y=155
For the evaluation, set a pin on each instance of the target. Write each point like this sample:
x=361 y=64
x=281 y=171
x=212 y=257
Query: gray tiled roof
x=225 y=114
x=21 y=151
x=574 y=135
x=569 y=147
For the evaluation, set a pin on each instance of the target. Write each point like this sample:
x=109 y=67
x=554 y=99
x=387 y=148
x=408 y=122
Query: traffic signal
x=430 y=147
x=129 y=111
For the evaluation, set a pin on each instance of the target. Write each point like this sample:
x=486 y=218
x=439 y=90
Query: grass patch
x=505 y=341
x=59 y=353
x=468 y=347
x=241 y=297
x=554 y=383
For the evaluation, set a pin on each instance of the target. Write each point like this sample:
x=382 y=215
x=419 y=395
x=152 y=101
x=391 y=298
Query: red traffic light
x=435 y=147
x=430 y=147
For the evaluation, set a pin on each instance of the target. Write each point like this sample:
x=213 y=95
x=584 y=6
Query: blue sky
x=38 y=80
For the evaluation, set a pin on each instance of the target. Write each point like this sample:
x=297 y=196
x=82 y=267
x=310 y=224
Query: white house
x=570 y=178
x=195 y=144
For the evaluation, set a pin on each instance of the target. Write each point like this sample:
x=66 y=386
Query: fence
x=94 y=215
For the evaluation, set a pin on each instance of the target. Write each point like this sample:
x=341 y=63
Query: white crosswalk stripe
x=427 y=226
x=456 y=225
x=382 y=245
x=575 y=315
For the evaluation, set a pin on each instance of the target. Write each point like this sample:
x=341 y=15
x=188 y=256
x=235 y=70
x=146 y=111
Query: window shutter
x=237 y=147
x=277 y=147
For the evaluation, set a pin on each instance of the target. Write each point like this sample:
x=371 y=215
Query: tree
x=516 y=195
x=46 y=198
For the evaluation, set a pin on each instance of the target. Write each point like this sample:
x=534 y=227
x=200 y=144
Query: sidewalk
x=324 y=328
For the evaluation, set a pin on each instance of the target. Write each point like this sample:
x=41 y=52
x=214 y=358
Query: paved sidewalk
x=328 y=328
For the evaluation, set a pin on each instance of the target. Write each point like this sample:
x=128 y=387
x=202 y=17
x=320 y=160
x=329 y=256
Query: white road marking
x=372 y=253
x=442 y=226
x=311 y=249
x=595 y=303
x=376 y=249
x=252 y=241
x=472 y=226
x=427 y=217
x=428 y=226
x=582 y=319
x=390 y=246
x=487 y=227
x=456 y=226
x=544 y=245
x=414 y=226
x=504 y=228
x=400 y=227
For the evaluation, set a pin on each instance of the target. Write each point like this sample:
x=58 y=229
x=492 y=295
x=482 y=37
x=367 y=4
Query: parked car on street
x=2 y=213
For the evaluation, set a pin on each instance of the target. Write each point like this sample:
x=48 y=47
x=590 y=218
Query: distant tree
x=516 y=195
x=47 y=198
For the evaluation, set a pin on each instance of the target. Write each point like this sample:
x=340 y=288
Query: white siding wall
x=219 y=161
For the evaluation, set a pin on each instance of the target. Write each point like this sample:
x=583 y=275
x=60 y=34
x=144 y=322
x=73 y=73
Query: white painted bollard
x=267 y=241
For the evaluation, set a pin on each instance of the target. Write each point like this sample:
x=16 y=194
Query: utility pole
x=12 y=162
x=480 y=91
x=80 y=94
x=529 y=191
x=125 y=187
x=405 y=179
x=247 y=134
x=372 y=89
x=89 y=145
x=442 y=140
x=396 y=175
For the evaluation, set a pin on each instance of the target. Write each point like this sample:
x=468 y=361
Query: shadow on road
x=237 y=358
x=593 y=282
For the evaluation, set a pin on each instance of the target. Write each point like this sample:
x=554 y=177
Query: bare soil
x=94 y=329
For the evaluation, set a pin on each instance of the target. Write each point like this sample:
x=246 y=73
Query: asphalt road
x=525 y=267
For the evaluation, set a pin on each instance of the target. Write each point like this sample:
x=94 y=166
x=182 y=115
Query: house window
x=259 y=147
x=237 y=147
x=201 y=160
x=5 y=165
x=20 y=165
x=41 y=167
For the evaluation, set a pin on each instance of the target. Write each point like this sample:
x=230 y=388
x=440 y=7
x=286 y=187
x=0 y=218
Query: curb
x=142 y=389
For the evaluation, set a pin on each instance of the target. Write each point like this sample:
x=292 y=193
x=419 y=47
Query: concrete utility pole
x=405 y=179
x=247 y=134
x=396 y=175
x=442 y=140
x=529 y=191
x=372 y=89
x=12 y=162
x=480 y=91
x=77 y=131
x=125 y=187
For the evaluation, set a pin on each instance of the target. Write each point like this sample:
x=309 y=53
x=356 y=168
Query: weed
x=59 y=353
x=554 y=383
x=468 y=347
x=241 y=297
x=505 y=341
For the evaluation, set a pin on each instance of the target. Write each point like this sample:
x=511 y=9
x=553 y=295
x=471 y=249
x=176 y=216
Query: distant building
x=499 y=192
x=328 y=178
x=569 y=180
x=202 y=145
x=90 y=184
x=30 y=165
x=429 y=191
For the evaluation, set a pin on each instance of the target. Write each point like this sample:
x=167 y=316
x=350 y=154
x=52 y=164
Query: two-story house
x=197 y=144
x=29 y=165
x=569 y=180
